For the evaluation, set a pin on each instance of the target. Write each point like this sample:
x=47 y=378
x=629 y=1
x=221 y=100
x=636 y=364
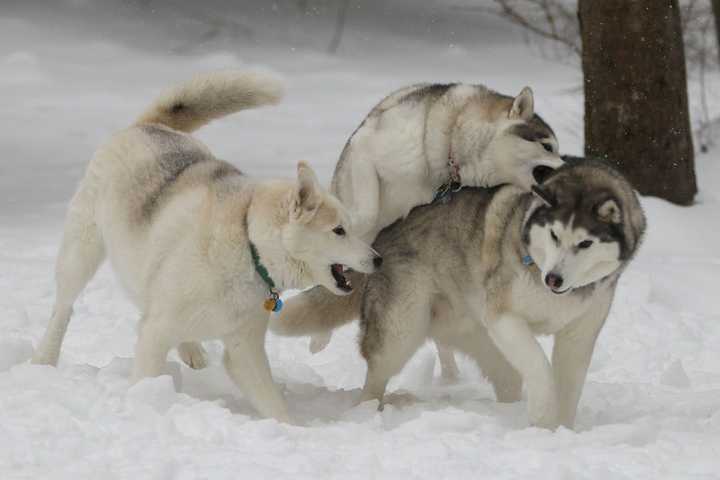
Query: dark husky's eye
x=547 y=147
x=339 y=231
x=585 y=244
x=554 y=237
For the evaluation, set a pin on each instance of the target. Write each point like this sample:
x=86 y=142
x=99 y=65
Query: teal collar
x=273 y=302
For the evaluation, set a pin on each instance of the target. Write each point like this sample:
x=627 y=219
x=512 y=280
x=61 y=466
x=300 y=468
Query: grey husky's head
x=517 y=147
x=583 y=226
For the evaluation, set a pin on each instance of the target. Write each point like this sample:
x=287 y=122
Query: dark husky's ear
x=523 y=106
x=609 y=211
x=544 y=195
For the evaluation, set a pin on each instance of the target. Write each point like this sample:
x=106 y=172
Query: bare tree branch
x=550 y=32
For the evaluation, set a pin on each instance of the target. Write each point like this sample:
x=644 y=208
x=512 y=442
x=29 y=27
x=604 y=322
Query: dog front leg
x=247 y=365
x=151 y=350
x=572 y=352
x=513 y=337
x=366 y=198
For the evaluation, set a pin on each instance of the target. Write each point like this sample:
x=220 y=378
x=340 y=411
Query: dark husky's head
x=583 y=226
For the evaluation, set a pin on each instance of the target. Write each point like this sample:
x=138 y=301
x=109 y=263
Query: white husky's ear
x=306 y=196
x=609 y=211
x=523 y=106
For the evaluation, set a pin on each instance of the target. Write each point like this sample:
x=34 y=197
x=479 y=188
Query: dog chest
x=545 y=312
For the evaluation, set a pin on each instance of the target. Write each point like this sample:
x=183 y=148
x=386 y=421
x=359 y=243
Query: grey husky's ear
x=306 y=196
x=608 y=211
x=523 y=106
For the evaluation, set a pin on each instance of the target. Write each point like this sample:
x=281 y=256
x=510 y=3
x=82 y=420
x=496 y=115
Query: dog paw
x=543 y=414
x=193 y=355
x=44 y=358
x=319 y=341
x=399 y=399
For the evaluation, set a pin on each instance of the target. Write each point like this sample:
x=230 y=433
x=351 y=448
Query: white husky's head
x=318 y=233
x=587 y=226
x=514 y=146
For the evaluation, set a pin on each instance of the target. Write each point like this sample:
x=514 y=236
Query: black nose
x=377 y=261
x=541 y=173
x=553 y=281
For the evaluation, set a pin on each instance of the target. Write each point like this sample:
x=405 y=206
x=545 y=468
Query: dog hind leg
x=193 y=355
x=81 y=253
x=392 y=335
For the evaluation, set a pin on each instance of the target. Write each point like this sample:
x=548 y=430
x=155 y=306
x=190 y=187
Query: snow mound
x=13 y=352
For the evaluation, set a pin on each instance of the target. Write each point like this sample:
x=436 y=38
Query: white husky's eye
x=547 y=147
x=585 y=244
x=339 y=231
x=554 y=237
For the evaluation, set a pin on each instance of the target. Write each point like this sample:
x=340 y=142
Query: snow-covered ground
x=651 y=407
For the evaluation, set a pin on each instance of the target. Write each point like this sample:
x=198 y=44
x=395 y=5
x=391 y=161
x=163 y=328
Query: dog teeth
x=348 y=283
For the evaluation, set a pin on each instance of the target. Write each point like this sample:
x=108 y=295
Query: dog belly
x=450 y=322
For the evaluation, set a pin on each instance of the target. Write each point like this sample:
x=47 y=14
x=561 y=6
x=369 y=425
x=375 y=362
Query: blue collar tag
x=527 y=260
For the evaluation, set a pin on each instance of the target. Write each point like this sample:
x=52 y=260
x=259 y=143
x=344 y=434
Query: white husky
x=423 y=137
x=198 y=246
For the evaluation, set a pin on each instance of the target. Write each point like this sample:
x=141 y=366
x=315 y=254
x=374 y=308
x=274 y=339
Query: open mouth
x=338 y=272
x=541 y=173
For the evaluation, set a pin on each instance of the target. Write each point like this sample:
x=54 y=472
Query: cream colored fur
x=176 y=225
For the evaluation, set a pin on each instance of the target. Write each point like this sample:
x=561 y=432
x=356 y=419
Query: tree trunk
x=716 y=14
x=636 y=108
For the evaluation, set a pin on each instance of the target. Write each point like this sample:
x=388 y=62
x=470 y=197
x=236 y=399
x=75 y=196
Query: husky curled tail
x=318 y=311
x=210 y=96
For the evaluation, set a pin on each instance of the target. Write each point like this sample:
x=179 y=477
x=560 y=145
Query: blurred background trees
x=652 y=141
x=634 y=56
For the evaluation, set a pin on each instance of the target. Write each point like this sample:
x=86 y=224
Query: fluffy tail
x=317 y=310
x=210 y=96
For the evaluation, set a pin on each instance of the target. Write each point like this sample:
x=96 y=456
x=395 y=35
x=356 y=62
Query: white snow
x=651 y=406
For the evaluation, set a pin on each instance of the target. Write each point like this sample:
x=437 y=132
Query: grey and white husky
x=429 y=138
x=198 y=246
x=486 y=273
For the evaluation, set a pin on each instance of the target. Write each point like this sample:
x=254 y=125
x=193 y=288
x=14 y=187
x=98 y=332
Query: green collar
x=260 y=268
x=273 y=302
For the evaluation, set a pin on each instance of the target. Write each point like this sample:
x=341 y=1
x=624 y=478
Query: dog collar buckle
x=454 y=183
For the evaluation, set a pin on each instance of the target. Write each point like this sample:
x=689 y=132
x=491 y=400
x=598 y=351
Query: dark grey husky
x=486 y=273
